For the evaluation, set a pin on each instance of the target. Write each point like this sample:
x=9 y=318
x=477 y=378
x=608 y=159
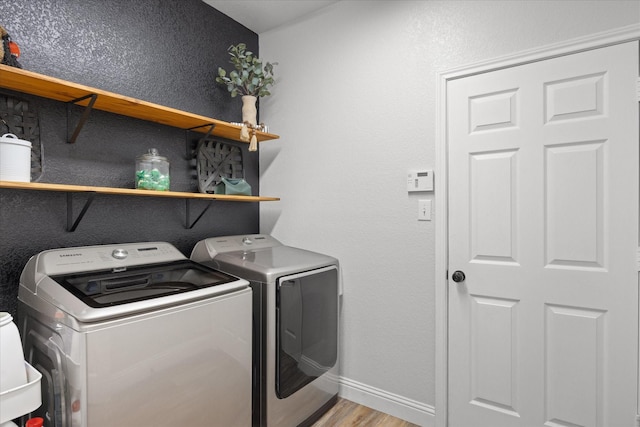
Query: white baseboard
x=401 y=407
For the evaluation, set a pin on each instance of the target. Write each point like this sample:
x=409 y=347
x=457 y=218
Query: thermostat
x=420 y=180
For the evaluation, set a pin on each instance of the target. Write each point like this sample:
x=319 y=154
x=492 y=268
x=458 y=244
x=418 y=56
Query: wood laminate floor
x=348 y=414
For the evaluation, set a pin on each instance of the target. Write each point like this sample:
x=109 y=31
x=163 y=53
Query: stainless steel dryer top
x=257 y=257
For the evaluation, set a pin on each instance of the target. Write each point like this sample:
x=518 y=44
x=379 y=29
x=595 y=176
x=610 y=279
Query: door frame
x=594 y=41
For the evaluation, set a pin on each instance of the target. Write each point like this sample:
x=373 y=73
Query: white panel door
x=543 y=205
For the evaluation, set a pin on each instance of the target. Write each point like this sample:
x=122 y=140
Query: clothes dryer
x=295 y=314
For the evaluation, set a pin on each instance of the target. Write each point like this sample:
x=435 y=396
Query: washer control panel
x=88 y=258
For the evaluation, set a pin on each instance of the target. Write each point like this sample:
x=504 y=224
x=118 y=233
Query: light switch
x=424 y=210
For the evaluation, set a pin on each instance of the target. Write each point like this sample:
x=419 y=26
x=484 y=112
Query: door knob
x=458 y=276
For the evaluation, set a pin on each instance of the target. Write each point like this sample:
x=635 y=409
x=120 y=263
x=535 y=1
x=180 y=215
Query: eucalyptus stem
x=249 y=77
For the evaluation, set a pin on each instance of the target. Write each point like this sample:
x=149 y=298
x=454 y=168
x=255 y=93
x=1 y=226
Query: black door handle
x=458 y=276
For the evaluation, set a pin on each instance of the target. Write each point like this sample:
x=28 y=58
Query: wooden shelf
x=60 y=90
x=70 y=190
x=130 y=192
x=50 y=87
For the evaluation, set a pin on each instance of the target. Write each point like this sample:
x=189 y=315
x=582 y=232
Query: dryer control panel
x=207 y=249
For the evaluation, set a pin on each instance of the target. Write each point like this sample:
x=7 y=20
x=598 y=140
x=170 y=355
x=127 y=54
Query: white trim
x=593 y=41
x=393 y=404
x=441 y=256
x=598 y=40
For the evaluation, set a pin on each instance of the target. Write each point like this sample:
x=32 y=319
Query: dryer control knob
x=119 y=253
x=247 y=240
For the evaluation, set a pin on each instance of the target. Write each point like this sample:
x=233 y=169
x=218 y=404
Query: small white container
x=12 y=370
x=15 y=158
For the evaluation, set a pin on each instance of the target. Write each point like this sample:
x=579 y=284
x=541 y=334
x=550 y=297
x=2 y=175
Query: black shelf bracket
x=187 y=214
x=83 y=119
x=71 y=224
x=190 y=151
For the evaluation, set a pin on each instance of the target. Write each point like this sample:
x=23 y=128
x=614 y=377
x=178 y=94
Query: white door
x=543 y=205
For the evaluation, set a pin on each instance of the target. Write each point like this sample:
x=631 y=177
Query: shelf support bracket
x=188 y=214
x=83 y=119
x=71 y=224
x=190 y=153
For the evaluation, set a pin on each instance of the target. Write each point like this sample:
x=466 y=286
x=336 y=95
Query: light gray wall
x=355 y=107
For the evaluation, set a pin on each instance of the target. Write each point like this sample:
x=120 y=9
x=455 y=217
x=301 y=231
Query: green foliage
x=249 y=76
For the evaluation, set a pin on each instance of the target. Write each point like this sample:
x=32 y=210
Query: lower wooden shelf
x=72 y=223
x=130 y=192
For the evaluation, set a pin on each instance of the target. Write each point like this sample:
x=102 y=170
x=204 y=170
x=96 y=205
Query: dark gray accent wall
x=162 y=51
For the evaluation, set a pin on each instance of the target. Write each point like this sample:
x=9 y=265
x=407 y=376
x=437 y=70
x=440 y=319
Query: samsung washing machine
x=136 y=335
x=295 y=312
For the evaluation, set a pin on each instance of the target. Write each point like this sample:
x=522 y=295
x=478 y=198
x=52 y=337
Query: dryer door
x=306 y=329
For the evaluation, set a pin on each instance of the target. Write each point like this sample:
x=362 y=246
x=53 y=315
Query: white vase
x=249 y=111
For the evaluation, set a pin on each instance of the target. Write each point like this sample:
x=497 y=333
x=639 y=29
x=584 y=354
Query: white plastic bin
x=21 y=400
x=12 y=371
x=19 y=381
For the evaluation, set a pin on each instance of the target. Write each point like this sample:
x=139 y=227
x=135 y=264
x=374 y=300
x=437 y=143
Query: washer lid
x=106 y=288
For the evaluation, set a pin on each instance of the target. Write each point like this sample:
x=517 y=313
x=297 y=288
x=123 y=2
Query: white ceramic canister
x=15 y=158
x=12 y=369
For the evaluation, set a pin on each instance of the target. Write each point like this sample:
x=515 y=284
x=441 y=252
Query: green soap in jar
x=152 y=171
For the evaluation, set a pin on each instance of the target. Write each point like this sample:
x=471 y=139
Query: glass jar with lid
x=152 y=171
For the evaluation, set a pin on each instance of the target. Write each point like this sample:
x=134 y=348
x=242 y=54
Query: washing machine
x=296 y=316
x=136 y=335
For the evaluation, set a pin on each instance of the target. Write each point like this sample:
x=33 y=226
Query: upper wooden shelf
x=50 y=87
